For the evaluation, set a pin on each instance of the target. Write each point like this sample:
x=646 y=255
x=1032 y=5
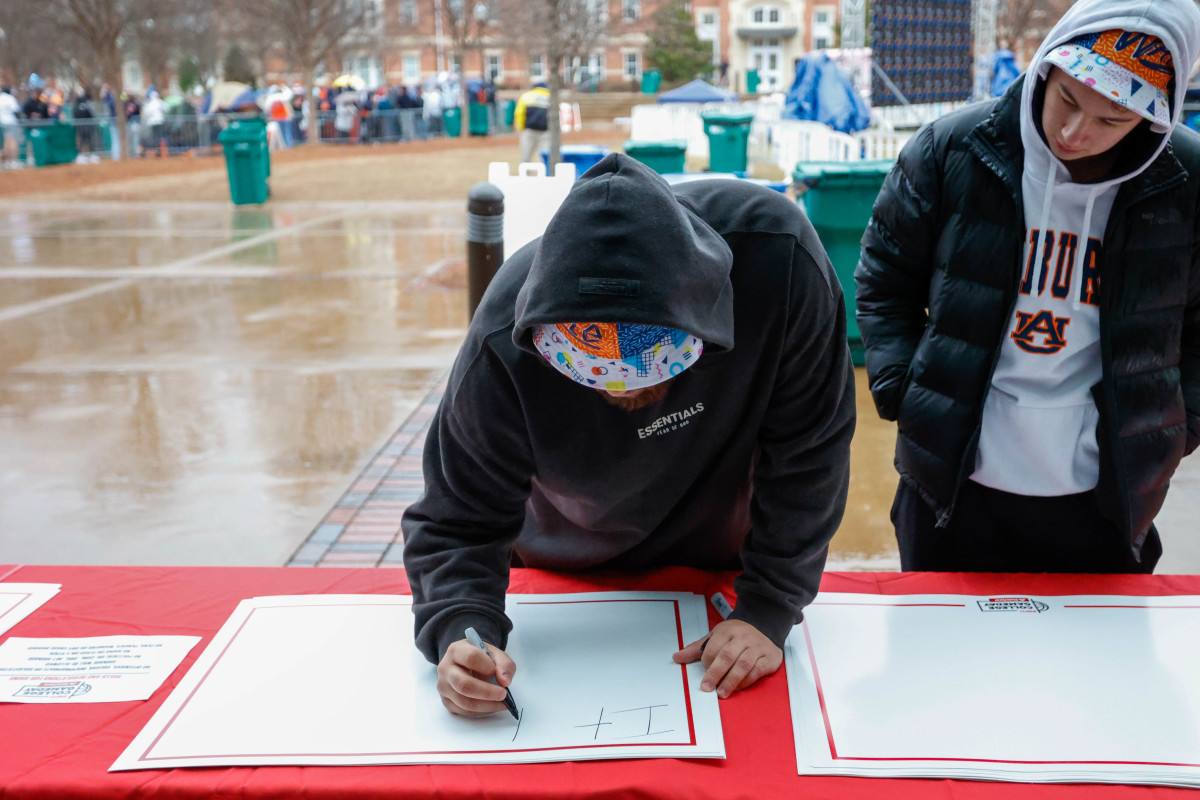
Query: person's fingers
x=466 y=707
x=764 y=666
x=690 y=653
x=506 y=668
x=462 y=681
x=745 y=664
x=466 y=655
x=720 y=664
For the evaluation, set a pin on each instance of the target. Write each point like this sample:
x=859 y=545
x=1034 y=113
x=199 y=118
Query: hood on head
x=1175 y=22
x=622 y=248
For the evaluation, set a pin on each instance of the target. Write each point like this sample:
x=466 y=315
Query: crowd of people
x=349 y=113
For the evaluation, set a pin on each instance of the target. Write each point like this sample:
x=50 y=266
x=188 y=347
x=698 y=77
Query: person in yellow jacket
x=532 y=118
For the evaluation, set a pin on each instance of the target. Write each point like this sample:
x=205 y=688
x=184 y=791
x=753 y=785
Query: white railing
x=772 y=140
x=658 y=122
x=874 y=143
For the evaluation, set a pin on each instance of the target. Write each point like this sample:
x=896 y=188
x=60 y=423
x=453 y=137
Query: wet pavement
x=194 y=384
x=189 y=383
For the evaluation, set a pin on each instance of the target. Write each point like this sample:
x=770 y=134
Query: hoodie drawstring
x=1039 y=251
x=1081 y=247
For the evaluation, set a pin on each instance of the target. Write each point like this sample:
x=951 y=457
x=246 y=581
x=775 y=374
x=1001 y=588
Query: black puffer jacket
x=937 y=282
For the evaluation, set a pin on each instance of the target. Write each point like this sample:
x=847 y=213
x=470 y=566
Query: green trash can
x=728 y=136
x=452 y=119
x=752 y=81
x=477 y=119
x=258 y=127
x=838 y=197
x=52 y=144
x=245 y=158
x=662 y=157
x=651 y=79
x=63 y=149
x=106 y=136
x=510 y=113
x=38 y=140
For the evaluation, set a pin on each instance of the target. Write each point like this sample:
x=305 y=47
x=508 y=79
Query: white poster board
x=1017 y=688
x=19 y=600
x=336 y=679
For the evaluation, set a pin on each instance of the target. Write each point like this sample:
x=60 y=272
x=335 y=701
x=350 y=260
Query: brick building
x=766 y=35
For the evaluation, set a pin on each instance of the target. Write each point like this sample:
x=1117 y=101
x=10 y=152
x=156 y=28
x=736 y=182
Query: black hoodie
x=745 y=461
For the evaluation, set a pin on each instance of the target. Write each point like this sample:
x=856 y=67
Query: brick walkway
x=363 y=529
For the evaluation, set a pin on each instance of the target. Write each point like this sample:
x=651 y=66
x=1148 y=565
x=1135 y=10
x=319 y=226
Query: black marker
x=723 y=608
x=509 y=703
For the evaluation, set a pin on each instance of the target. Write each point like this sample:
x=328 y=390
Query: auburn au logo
x=1040 y=333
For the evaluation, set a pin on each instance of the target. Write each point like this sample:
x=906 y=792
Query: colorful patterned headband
x=1131 y=69
x=616 y=356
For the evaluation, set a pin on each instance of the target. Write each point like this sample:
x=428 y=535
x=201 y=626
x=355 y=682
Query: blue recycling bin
x=583 y=156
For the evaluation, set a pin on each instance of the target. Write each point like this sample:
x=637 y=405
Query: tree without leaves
x=237 y=67
x=559 y=29
x=467 y=23
x=107 y=27
x=309 y=32
x=674 y=48
x=29 y=41
x=1021 y=20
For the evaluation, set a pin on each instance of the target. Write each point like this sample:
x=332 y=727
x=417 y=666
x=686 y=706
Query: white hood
x=1176 y=22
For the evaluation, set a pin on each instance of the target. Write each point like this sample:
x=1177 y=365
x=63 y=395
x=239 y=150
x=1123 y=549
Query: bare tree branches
x=107 y=28
x=1024 y=22
x=559 y=29
x=310 y=32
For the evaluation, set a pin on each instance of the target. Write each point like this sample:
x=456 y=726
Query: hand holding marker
x=509 y=703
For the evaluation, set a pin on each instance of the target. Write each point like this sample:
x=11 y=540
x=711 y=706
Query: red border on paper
x=145 y=756
x=833 y=754
x=24 y=596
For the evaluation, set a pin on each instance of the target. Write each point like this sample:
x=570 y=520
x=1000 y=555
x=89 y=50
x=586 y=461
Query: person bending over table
x=662 y=379
x=1029 y=298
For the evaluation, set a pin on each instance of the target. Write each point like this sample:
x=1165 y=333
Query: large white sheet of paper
x=101 y=669
x=19 y=600
x=1073 y=688
x=336 y=679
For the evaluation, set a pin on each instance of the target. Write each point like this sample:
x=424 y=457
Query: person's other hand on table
x=735 y=654
x=463 y=679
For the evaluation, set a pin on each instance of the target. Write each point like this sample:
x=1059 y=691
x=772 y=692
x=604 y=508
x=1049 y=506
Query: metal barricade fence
x=398 y=125
x=96 y=137
x=388 y=125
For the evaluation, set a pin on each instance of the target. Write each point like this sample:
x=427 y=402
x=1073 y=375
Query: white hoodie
x=1039 y=419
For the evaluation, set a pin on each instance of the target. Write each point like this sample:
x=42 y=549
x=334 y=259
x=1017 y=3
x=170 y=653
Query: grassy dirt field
x=439 y=169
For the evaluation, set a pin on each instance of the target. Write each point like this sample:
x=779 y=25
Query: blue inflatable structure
x=823 y=93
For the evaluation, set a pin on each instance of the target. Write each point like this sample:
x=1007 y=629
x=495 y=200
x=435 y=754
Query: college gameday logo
x=1025 y=604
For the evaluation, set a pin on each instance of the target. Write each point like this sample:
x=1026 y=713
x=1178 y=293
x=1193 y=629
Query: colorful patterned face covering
x=616 y=356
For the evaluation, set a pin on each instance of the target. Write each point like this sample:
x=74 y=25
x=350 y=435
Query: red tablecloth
x=64 y=751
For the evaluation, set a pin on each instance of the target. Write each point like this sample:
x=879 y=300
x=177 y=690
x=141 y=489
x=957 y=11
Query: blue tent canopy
x=823 y=93
x=1004 y=71
x=697 y=91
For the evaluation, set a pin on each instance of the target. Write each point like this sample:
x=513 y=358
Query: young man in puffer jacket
x=1029 y=298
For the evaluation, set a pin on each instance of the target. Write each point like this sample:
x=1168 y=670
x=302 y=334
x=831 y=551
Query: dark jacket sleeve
x=458 y=537
x=894 y=269
x=803 y=468
x=1189 y=366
